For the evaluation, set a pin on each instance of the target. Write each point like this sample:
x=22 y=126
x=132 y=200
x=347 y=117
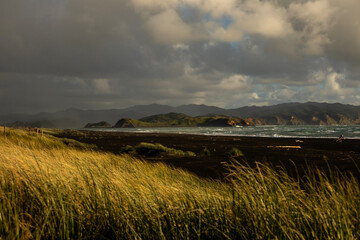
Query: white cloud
x=329 y=85
x=263 y=18
x=332 y=85
x=297 y=29
x=168 y=28
x=101 y=86
x=235 y=83
x=254 y=96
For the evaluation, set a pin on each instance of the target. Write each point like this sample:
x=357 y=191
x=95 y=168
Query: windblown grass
x=51 y=190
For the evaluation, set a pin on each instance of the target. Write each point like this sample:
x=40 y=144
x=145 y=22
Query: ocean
x=306 y=131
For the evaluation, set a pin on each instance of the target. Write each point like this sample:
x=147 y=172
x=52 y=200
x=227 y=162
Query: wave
x=352 y=131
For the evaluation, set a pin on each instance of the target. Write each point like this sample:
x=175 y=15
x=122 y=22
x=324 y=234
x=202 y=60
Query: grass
x=50 y=190
x=150 y=149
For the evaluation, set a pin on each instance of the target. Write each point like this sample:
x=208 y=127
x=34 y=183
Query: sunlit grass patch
x=49 y=190
x=35 y=140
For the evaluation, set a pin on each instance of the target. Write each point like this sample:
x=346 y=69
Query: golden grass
x=52 y=189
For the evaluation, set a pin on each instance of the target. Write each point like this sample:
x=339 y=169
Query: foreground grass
x=53 y=189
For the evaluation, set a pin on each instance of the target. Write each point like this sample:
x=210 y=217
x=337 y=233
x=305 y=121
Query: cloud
x=230 y=53
x=332 y=87
x=263 y=18
x=237 y=83
x=345 y=33
x=311 y=22
x=153 y=6
x=168 y=28
x=101 y=86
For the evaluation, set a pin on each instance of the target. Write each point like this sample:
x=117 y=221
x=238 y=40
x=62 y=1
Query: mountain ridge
x=285 y=113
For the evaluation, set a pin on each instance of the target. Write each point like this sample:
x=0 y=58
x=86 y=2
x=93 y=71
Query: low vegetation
x=205 y=152
x=51 y=190
x=235 y=152
x=150 y=149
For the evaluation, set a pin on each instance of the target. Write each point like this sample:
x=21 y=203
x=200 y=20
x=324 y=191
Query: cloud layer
x=229 y=53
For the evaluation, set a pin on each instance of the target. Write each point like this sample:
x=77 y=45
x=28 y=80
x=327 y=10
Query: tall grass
x=49 y=189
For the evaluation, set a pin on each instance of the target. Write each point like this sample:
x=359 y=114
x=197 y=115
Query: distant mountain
x=199 y=110
x=102 y=124
x=152 y=109
x=77 y=118
x=302 y=113
x=288 y=113
x=164 y=117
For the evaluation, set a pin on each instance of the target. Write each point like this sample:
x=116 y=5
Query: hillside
x=182 y=120
x=282 y=114
x=164 y=117
x=102 y=124
x=302 y=114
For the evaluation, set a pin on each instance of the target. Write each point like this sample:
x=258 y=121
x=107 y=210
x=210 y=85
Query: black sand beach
x=292 y=154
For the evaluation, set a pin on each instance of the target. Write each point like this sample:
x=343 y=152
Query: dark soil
x=313 y=152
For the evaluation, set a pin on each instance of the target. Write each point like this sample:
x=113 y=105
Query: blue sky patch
x=226 y=21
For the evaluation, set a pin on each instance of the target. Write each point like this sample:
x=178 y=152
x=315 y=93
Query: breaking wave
x=352 y=131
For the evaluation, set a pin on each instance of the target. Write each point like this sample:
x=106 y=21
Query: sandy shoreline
x=293 y=154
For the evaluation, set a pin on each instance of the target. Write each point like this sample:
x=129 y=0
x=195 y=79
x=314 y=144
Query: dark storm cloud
x=253 y=61
x=116 y=53
x=69 y=38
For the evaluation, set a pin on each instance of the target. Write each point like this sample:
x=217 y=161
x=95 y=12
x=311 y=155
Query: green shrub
x=235 y=152
x=190 y=154
x=79 y=145
x=127 y=149
x=205 y=152
x=150 y=149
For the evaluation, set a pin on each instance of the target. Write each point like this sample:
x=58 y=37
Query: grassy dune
x=56 y=188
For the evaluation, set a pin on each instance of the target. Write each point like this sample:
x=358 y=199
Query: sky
x=91 y=54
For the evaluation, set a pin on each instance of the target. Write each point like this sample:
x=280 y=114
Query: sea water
x=349 y=131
